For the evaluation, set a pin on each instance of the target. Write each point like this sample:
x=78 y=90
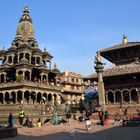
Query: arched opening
x=26 y=96
x=20 y=56
x=20 y=72
x=39 y=98
x=33 y=96
x=44 y=62
x=44 y=78
x=36 y=75
x=27 y=75
x=27 y=56
x=126 y=96
x=15 y=59
x=118 y=97
x=49 y=97
x=19 y=96
x=13 y=97
x=110 y=97
x=33 y=60
x=10 y=59
x=2 y=78
x=134 y=96
x=38 y=60
x=48 y=64
x=7 y=100
x=1 y=98
x=10 y=74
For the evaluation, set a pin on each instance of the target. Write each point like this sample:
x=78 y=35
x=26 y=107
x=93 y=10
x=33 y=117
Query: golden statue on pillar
x=98 y=58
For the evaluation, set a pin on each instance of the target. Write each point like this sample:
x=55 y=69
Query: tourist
x=101 y=117
x=106 y=118
x=126 y=111
x=88 y=122
x=28 y=122
x=55 y=118
x=39 y=122
x=68 y=116
x=10 y=120
x=21 y=116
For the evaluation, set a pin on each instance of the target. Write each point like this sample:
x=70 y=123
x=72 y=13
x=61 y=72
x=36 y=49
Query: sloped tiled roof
x=119 y=70
x=120 y=46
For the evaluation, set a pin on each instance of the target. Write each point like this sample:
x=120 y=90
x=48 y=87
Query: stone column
x=106 y=98
x=35 y=60
x=58 y=99
x=23 y=97
x=121 y=97
x=17 y=58
x=114 y=98
x=0 y=78
x=4 y=98
x=138 y=97
x=23 y=75
x=130 y=101
x=52 y=99
x=99 y=69
x=4 y=77
x=30 y=59
x=15 y=97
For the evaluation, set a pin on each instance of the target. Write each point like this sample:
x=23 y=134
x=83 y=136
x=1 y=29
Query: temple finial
x=44 y=48
x=55 y=66
x=26 y=10
x=124 y=39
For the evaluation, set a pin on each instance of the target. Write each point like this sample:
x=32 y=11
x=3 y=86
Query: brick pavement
x=77 y=131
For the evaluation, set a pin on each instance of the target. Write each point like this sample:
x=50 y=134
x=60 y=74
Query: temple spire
x=25 y=28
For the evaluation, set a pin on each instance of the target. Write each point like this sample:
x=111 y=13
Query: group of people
x=103 y=117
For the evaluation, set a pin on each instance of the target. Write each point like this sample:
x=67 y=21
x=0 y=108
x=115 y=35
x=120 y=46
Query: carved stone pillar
x=15 y=97
x=58 y=99
x=121 y=97
x=4 y=98
x=5 y=78
x=130 y=101
x=106 y=98
x=30 y=59
x=52 y=99
x=18 y=58
x=114 y=98
x=35 y=60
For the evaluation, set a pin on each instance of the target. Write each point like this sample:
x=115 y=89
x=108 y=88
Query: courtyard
x=77 y=131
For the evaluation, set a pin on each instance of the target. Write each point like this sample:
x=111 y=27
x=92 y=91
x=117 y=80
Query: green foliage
x=19 y=77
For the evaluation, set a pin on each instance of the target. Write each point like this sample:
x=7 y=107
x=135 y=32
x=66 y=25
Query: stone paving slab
x=77 y=131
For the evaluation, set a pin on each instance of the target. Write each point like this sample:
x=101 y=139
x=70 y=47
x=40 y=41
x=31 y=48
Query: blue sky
x=73 y=30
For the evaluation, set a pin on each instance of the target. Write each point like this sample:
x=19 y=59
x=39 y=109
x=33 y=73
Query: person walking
x=106 y=118
x=88 y=121
x=21 y=116
x=68 y=116
x=10 y=120
x=55 y=118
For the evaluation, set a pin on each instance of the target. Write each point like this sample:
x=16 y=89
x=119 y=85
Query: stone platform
x=8 y=132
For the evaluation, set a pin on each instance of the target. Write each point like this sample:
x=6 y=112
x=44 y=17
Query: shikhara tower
x=25 y=72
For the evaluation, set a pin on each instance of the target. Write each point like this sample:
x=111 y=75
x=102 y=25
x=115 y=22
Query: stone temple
x=26 y=76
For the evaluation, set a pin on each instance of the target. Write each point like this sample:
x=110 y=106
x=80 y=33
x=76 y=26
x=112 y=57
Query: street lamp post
x=101 y=93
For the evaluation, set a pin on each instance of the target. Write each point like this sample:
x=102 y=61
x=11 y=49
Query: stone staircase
x=32 y=111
